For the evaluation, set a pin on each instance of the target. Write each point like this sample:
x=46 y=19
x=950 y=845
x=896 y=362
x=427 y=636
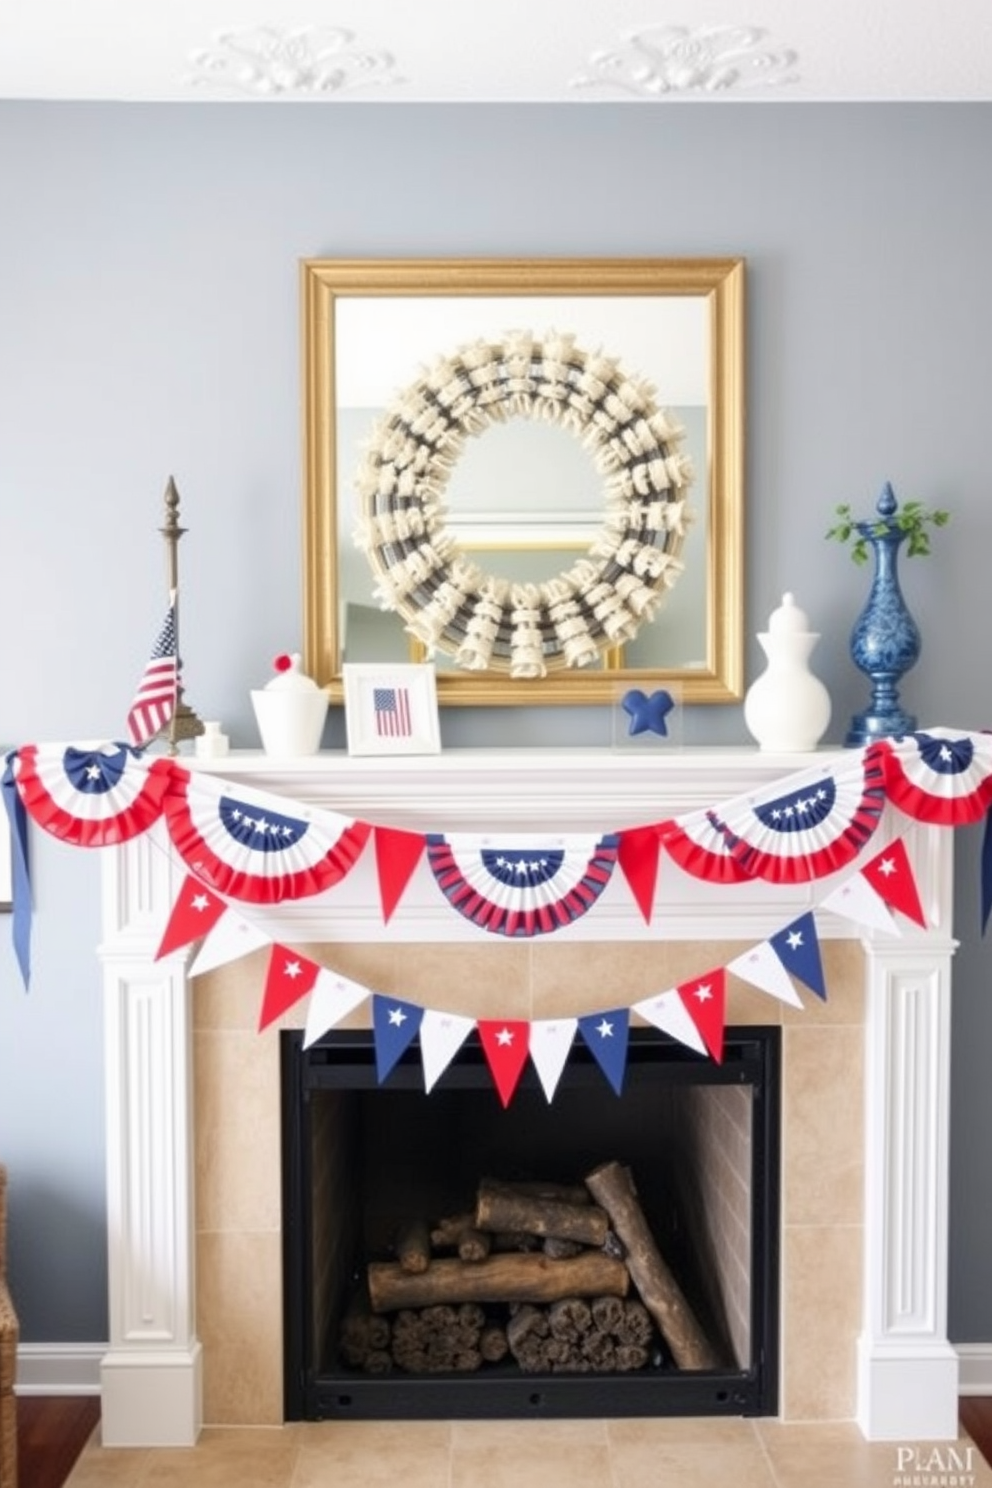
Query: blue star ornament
x=647 y=714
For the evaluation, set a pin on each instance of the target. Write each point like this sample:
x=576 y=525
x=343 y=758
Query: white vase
x=787 y=708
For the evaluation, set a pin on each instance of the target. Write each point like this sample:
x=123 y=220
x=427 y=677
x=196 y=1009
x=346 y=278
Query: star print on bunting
x=890 y=874
x=704 y=1000
x=395 y=1024
x=939 y=775
x=290 y=976
x=815 y=827
x=256 y=846
x=505 y=1045
x=798 y=949
x=530 y=886
x=91 y=797
x=606 y=1035
x=195 y=912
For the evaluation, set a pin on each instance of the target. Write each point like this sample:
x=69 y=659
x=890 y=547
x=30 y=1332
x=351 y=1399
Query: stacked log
x=539 y=1273
x=577 y=1336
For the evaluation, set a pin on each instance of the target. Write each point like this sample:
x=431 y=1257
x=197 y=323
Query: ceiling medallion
x=309 y=61
x=672 y=59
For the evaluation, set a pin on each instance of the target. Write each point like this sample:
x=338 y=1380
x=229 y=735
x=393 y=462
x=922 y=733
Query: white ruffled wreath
x=489 y=623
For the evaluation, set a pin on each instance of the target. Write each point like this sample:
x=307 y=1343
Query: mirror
x=525 y=499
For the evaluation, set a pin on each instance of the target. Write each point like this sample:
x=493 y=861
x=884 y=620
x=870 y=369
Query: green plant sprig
x=913 y=518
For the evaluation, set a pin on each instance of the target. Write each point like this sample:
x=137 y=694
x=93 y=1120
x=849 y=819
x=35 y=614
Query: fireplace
x=363 y=1163
x=193 y=1126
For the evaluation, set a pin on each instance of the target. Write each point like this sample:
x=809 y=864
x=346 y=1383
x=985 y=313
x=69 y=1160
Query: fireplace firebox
x=364 y=1163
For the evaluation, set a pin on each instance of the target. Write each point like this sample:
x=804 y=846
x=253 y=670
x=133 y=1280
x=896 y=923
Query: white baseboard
x=59 y=1368
x=74 y=1368
x=975 y=1376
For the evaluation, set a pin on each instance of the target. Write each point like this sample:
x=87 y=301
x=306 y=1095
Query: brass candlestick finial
x=184 y=723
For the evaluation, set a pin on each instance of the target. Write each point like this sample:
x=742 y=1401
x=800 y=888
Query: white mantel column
x=150 y=1376
x=907 y=1369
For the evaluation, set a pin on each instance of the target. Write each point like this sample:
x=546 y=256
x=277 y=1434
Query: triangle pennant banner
x=290 y=977
x=705 y=1001
x=607 y=1036
x=333 y=998
x=395 y=1024
x=397 y=854
x=551 y=1041
x=762 y=968
x=229 y=940
x=798 y=949
x=855 y=899
x=441 y=1036
x=195 y=913
x=890 y=874
x=505 y=1045
x=20 y=869
x=667 y=1012
x=638 y=852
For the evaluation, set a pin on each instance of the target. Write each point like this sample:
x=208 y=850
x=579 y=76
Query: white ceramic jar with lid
x=787 y=708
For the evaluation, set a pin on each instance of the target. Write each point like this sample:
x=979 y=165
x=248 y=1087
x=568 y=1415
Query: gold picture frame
x=365 y=321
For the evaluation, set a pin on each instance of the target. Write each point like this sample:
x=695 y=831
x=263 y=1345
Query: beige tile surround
x=237 y=1170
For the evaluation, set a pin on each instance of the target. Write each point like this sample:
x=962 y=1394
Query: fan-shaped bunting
x=939 y=775
x=700 y=848
x=258 y=847
x=530 y=886
x=91 y=797
x=815 y=827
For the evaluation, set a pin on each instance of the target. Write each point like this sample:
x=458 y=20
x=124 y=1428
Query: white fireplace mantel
x=151 y=1374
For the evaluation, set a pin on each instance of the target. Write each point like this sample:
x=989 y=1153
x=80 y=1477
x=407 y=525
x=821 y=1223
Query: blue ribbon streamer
x=18 y=818
x=987 y=870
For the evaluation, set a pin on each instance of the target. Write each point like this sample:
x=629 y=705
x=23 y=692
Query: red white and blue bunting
x=256 y=848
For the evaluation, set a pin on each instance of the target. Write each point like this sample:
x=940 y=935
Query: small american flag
x=392 y=711
x=155 y=700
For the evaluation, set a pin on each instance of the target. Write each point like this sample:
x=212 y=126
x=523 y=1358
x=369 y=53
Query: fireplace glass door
x=444 y=1257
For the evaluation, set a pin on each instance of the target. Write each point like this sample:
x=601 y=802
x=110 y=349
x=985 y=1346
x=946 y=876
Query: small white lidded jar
x=290 y=710
x=787 y=708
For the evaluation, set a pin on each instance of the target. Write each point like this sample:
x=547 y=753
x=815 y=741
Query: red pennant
x=705 y=1002
x=506 y=1046
x=638 y=854
x=396 y=856
x=290 y=976
x=890 y=874
x=194 y=914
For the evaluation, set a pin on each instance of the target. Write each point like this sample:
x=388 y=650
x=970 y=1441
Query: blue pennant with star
x=607 y=1035
x=395 y=1024
x=798 y=949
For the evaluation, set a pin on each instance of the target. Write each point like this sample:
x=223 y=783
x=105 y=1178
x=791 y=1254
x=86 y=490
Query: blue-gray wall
x=149 y=326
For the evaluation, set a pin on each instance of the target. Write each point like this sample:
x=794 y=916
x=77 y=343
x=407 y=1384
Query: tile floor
x=690 y=1453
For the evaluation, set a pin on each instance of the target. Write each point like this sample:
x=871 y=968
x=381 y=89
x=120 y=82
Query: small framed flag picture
x=391 y=709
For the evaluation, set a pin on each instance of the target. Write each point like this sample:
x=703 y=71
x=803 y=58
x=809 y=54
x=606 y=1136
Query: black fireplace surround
x=359 y=1157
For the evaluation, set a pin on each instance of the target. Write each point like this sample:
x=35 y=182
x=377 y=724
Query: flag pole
x=184 y=723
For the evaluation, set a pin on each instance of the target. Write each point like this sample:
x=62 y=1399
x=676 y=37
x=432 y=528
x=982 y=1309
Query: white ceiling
x=507 y=51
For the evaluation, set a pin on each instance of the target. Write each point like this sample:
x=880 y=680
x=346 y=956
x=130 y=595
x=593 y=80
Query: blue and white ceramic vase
x=885 y=641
